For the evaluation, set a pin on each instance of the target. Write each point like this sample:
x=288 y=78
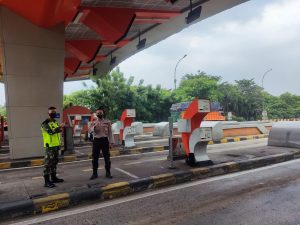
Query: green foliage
x=251 y=99
x=244 y=98
x=230 y=98
x=3 y=112
x=114 y=93
x=284 y=106
x=199 y=85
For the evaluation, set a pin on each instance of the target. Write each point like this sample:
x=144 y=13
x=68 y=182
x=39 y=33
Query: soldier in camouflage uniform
x=51 y=136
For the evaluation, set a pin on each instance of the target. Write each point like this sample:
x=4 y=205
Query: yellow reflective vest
x=51 y=133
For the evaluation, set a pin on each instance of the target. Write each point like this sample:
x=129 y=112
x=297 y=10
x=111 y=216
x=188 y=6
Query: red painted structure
x=109 y=23
x=44 y=13
x=196 y=118
x=74 y=111
x=127 y=121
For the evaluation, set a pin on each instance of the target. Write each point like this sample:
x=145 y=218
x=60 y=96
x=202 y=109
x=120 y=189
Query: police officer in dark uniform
x=102 y=139
x=51 y=136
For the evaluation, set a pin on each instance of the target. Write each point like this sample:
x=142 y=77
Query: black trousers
x=103 y=144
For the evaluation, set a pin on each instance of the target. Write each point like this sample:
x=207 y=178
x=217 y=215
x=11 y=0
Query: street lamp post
x=176 y=69
x=264 y=113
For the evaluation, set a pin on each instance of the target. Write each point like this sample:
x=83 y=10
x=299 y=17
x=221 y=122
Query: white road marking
x=88 y=170
x=127 y=173
x=102 y=205
x=147 y=160
x=36 y=178
x=86 y=146
x=85 y=160
x=79 y=153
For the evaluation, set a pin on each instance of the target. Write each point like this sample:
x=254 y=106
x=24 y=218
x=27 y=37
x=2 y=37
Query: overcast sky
x=242 y=42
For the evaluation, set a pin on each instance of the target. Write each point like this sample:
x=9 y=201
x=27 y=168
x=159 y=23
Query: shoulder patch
x=46 y=121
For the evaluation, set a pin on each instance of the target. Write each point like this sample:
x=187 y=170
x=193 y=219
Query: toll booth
x=195 y=138
x=78 y=118
x=216 y=111
x=78 y=125
x=127 y=131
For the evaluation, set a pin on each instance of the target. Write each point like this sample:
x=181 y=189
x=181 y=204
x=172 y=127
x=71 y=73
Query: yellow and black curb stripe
x=116 y=190
x=238 y=139
x=115 y=152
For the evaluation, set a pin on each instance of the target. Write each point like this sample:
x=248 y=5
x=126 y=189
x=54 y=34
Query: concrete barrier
x=115 y=128
x=148 y=127
x=221 y=129
x=161 y=129
x=285 y=134
x=138 y=126
x=234 y=128
x=217 y=129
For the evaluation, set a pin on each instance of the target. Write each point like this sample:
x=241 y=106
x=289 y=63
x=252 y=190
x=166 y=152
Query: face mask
x=52 y=115
x=100 y=116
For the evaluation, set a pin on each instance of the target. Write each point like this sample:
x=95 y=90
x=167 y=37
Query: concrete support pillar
x=33 y=73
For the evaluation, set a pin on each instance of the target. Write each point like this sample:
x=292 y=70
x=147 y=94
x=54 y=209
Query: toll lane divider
x=115 y=190
x=115 y=152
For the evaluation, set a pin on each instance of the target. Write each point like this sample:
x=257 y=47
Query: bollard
x=171 y=144
x=68 y=139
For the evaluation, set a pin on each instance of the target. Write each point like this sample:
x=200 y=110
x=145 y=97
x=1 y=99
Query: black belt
x=102 y=138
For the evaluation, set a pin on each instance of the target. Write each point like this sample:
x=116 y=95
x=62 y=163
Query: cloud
x=242 y=42
x=232 y=48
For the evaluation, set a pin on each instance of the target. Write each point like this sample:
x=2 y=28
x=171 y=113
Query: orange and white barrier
x=127 y=131
x=194 y=137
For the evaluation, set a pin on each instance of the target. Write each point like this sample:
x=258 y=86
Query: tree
x=230 y=98
x=115 y=93
x=3 y=112
x=199 y=85
x=284 y=106
x=252 y=99
x=244 y=98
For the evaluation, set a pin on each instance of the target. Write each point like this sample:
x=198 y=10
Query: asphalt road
x=17 y=184
x=264 y=196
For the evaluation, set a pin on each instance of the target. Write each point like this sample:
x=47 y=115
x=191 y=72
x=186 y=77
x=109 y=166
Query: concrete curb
x=113 y=153
x=116 y=190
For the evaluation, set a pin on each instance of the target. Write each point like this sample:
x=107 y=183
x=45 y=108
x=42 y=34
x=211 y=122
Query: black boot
x=107 y=169
x=108 y=175
x=48 y=183
x=94 y=175
x=55 y=179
